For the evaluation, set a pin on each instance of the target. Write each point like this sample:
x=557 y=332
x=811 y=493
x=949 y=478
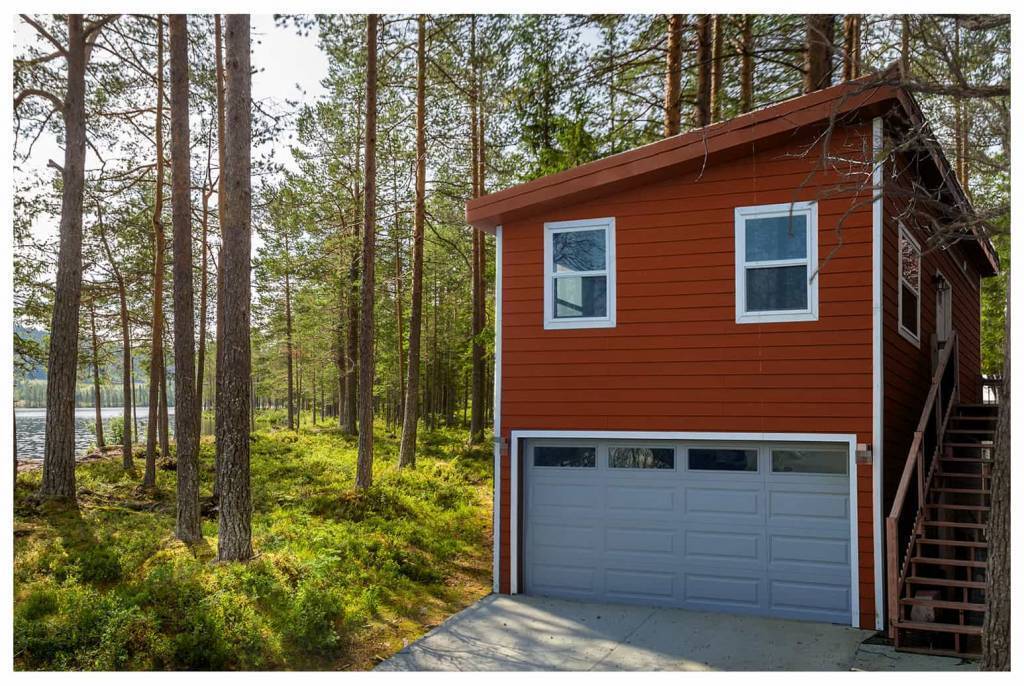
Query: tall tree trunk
x=218 y=416
x=673 y=75
x=186 y=431
x=341 y=358
x=410 y=420
x=702 y=106
x=747 y=64
x=289 y=348
x=127 y=386
x=818 y=48
x=203 y=292
x=59 y=452
x=476 y=416
x=235 y=526
x=348 y=424
x=851 y=46
x=364 y=471
x=996 y=641
x=97 y=395
x=156 y=361
x=717 y=65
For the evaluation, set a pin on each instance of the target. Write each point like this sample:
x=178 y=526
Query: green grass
x=340 y=579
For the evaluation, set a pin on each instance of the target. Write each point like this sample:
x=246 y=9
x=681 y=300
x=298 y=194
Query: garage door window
x=642 y=458
x=564 y=456
x=723 y=459
x=809 y=461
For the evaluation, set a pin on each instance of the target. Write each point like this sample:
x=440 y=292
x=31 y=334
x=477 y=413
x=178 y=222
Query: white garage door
x=741 y=527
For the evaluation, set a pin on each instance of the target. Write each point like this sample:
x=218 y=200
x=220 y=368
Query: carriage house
x=712 y=357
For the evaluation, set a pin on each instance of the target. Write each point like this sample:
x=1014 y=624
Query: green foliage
x=106 y=586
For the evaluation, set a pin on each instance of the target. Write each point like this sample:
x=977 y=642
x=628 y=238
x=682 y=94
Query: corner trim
x=496 y=525
x=877 y=364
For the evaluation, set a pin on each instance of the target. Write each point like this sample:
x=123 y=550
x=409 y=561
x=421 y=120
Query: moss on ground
x=340 y=581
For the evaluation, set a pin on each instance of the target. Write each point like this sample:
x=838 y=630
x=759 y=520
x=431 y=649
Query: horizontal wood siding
x=908 y=368
x=677 y=360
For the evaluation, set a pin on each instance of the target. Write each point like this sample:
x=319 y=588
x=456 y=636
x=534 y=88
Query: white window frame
x=550 y=229
x=742 y=214
x=904 y=233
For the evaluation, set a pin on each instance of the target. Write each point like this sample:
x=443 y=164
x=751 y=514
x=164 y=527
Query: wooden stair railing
x=919 y=471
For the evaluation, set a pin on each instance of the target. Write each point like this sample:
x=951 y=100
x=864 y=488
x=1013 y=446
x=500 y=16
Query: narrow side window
x=910 y=287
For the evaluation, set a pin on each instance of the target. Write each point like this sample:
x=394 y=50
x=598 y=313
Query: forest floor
x=340 y=580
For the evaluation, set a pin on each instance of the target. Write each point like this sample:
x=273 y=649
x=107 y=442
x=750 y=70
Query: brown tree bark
x=476 y=403
x=818 y=49
x=747 y=64
x=717 y=65
x=289 y=348
x=702 y=105
x=996 y=637
x=97 y=394
x=186 y=431
x=203 y=293
x=364 y=469
x=235 y=522
x=218 y=417
x=59 y=451
x=673 y=75
x=851 y=46
x=156 y=359
x=410 y=420
x=905 y=46
x=127 y=387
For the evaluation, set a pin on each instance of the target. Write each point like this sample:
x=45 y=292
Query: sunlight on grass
x=340 y=578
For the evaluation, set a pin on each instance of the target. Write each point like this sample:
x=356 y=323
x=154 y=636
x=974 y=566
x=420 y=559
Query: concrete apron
x=521 y=633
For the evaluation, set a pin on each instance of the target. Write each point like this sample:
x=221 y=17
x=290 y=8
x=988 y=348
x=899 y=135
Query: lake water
x=30 y=423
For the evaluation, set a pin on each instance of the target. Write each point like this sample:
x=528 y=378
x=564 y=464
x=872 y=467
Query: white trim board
x=849 y=439
x=877 y=365
x=496 y=525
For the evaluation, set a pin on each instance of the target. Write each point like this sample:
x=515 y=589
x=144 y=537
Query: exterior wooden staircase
x=937 y=550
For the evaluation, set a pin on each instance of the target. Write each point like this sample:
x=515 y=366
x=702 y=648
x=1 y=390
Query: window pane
x=810 y=461
x=581 y=296
x=777 y=288
x=723 y=459
x=578 y=251
x=910 y=262
x=564 y=456
x=776 y=238
x=642 y=458
x=908 y=315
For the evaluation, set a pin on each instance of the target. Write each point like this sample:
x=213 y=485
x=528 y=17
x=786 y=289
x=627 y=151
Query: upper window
x=642 y=458
x=579 y=274
x=776 y=263
x=910 y=287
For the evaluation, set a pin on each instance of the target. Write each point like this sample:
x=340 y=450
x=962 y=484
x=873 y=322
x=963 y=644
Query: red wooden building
x=712 y=355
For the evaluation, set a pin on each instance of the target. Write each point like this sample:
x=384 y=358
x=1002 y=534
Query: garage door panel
x=801 y=550
x=564 y=579
x=711 y=546
x=715 y=591
x=806 y=599
x=808 y=509
x=566 y=537
x=643 y=499
x=736 y=504
x=638 y=584
x=626 y=539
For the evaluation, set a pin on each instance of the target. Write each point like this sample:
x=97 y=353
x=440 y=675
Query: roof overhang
x=850 y=101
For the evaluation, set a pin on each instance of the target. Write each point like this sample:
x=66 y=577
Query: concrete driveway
x=517 y=633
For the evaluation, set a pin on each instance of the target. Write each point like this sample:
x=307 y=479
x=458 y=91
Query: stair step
x=953 y=543
x=950 y=583
x=944 y=628
x=974 y=418
x=978 y=406
x=943 y=604
x=974 y=460
x=969 y=491
x=987 y=445
x=962 y=475
x=948 y=563
x=953 y=525
x=966 y=508
x=985 y=432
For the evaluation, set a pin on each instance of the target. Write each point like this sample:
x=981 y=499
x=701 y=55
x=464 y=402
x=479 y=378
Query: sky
x=288 y=66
